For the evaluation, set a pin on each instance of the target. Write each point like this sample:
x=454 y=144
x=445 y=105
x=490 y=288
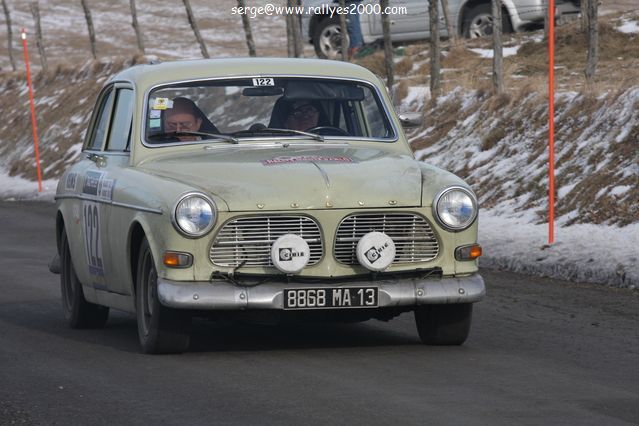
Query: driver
x=185 y=116
x=302 y=115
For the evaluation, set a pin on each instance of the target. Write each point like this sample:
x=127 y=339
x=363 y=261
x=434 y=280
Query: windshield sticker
x=155 y=113
x=161 y=103
x=155 y=123
x=263 y=82
x=96 y=184
x=307 y=159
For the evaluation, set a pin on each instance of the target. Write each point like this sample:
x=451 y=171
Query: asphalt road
x=540 y=352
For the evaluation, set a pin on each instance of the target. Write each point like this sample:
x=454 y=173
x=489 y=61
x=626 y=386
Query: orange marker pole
x=23 y=35
x=551 y=121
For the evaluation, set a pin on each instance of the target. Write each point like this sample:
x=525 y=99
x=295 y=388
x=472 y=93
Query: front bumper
x=221 y=295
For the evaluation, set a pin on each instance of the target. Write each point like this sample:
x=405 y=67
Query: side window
x=121 y=123
x=373 y=117
x=101 y=124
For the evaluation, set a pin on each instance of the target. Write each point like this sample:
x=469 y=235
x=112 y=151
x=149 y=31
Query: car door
x=113 y=221
x=415 y=20
x=89 y=210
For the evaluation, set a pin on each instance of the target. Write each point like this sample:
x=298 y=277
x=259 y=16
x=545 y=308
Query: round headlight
x=455 y=208
x=194 y=215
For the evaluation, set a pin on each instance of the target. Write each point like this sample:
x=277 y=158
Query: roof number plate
x=263 y=82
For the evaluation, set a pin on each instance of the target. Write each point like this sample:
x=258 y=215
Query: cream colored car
x=199 y=193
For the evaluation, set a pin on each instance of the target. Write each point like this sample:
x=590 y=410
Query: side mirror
x=411 y=119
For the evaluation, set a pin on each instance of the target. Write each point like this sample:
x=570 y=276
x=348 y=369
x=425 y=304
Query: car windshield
x=227 y=111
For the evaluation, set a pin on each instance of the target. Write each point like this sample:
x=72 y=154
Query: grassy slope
x=497 y=143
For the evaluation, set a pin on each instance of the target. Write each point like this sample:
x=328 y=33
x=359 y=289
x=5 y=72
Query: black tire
x=161 y=330
x=478 y=22
x=444 y=324
x=77 y=311
x=327 y=39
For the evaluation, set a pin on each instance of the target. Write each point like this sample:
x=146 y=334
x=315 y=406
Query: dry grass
x=404 y=66
x=374 y=62
x=400 y=91
x=527 y=71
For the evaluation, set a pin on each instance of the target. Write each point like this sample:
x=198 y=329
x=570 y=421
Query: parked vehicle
x=247 y=214
x=471 y=19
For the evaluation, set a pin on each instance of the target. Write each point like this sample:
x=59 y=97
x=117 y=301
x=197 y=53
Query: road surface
x=540 y=352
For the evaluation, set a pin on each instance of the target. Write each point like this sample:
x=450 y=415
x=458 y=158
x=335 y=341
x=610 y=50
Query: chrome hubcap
x=481 y=26
x=330 y=41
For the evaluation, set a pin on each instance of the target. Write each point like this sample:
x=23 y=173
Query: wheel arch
x=315 y=22
x=136 y=235
x=60 y=227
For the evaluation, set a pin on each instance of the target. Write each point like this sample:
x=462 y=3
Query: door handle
x=99 y=160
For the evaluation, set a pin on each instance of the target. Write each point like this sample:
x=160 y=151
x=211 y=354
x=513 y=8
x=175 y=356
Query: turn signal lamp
x=174 y=259
x=470 y=252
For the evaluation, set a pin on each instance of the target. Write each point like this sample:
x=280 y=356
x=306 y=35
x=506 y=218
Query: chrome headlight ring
x=455 y=208
x=194 y=214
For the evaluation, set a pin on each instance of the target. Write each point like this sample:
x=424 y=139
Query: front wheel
x=327 y=39
x=444 y=324
x=160 y=329
x=77 y=311
x=478 y=22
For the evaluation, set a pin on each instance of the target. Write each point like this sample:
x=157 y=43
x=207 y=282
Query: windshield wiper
x=297 y=132
x=226 y=138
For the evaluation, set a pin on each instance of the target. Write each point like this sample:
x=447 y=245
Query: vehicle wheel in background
x=328 y=39
x=160 y=329
x=77 y=311
x=478 y=22
x=444 y=324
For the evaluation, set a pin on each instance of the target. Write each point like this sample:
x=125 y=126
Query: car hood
x=285 y=178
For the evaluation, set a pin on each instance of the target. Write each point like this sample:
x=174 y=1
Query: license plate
x=322 y=298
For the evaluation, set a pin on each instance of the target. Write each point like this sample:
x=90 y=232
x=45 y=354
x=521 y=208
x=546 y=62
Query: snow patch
x=488 y=53
x=629 y=27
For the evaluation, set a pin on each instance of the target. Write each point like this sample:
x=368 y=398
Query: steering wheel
x=328 y=131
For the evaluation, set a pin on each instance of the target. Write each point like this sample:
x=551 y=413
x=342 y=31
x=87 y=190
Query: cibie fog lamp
x=455 y=208
x=194 y=215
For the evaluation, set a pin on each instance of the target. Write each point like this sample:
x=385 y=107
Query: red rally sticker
x=307 y=159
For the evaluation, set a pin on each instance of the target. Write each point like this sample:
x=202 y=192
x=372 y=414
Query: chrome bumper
x=405 y=292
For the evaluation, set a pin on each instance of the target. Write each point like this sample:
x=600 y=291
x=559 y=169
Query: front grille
x=414 y=239
x=250 y=239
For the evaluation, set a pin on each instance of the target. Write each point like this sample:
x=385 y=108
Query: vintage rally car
x=279 y=186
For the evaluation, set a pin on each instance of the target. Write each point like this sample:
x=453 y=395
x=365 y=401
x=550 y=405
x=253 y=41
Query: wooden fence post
x=343 y=30
x=250 y=43
x=136 y=27
x=196 y=31
x=35 y=11
x=87 y=15
x=290 y=42
x=388 y=46
x=293 y=30
x=584 y=15
x=7 y=17
x=297 y=31
x=452 y=34
x=498 y=53
x=593 y=41
x=435 y=64
x=546 y=17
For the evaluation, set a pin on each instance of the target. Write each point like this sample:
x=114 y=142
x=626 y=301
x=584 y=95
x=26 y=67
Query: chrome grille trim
x=250 y=238
x=414 y=238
